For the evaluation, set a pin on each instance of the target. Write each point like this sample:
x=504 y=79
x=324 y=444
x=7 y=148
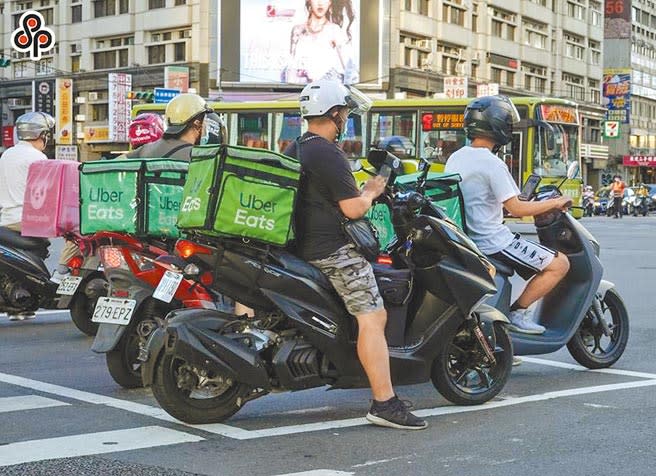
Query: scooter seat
x=502 y=268
x=38 y=246
x=297 y=266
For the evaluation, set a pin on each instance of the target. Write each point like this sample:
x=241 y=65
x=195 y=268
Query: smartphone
x=385 y=171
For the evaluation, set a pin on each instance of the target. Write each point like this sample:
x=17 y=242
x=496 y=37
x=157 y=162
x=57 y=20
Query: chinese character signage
x=455 y=87
x=442 y=120
x=617 y=22
x=176 y=77
x=617 y=95
x=119 y=106
x=559 y=114
x=43 y=96
x=96 y=134
x=66 y=152
x=297 y=42
x=7 y=136
x=639 y=161
x=64 y=117
x=490 y=89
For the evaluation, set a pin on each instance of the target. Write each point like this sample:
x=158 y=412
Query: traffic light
x=146 y=96
x=5 y=62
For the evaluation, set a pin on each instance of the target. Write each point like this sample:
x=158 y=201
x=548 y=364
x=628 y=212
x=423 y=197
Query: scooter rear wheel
x=461 y=374
x=587 y=345
x=185 y=393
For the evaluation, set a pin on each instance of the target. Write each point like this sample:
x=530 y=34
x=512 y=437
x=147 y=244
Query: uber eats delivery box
x=443 y=190
x=137 y=196
x=240 y=192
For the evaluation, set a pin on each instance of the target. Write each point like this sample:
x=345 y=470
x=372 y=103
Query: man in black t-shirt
x=327 y=193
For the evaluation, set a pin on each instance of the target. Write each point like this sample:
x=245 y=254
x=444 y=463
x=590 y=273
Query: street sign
x=455 y=87
x=611 y=129
x=164 y=95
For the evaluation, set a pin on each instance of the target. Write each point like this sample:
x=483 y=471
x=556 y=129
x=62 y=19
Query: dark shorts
x=353 y=278
x=526 y=257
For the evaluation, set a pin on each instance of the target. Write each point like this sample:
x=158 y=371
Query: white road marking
x=27 y=402
x=596 y=405
x=43 y=313
x=564 y=365
x=319 y=472
x=92 y=444
x=380 y=461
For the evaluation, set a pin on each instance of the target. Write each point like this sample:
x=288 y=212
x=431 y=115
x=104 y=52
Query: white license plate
x=113 y=311
x=69 y=285
x=168 y=286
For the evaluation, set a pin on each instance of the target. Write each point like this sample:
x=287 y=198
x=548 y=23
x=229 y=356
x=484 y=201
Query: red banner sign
x=639 y=161
x=7 y=136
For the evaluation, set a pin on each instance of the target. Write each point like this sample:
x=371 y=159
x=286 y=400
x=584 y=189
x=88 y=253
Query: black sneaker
x=394 y=413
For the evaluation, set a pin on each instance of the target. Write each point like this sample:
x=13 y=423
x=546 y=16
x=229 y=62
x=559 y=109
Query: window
x=104 y=60
x=574 y=87
x=47 y=16
x=575 y=10
x=595 y=52
x=180 y=2
x=594 y=91
x=156 y=54
x=573 y=46
x=123 y=58
x=100 y=112
x=156 y=4
x=441 y=134
x=123 y=6
x=535 y=34
x=180 y=51
x=596 y=17
x=394 y=131
x=75 y=64
x=504 y=77
x=44 y=67
x=424 y=7
x=535 y=78
x=542 y=3
x=253 y=130
x=453 y=14
x=20 y=69
x=415 y=51
x=103 y=8
x=503 y=24
x=76 y=13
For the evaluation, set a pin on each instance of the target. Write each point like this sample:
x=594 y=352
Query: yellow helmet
x=183 y=109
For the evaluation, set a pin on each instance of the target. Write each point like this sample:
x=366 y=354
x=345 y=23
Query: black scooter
x=584 y=312
x=203 y=365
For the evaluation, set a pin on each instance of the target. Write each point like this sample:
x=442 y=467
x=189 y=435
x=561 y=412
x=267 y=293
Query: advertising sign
x=66 y=152
x=442 y=120
x=455 y=87
x=7 y=136
x=491 y=89
x=617 y=95
x=96 y=134
x=611 y=129
x=163 y=96
x=639 y=161
x=297 y=42
x=176 y=77
x=617 y=23
x=64 y=117
x=119 y=106
x=560 y=114
x=43 y=96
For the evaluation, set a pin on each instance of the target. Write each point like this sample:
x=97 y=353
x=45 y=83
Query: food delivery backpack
x=137 y=196
x=240 y=192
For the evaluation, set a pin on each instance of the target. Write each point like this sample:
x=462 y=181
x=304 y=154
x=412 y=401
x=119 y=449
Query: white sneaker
x=58 y=277
x=521 y=321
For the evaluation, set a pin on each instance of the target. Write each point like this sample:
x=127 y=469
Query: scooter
x=584 y=312
x=25 y=284
x=204 y=365
x=145 y=284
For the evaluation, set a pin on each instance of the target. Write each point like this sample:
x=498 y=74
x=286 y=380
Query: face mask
x=341 y=130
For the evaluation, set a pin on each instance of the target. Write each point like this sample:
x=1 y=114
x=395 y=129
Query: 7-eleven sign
x=611 y=129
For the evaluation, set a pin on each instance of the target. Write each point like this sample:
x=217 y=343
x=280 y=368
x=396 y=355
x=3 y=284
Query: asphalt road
x=61 y=413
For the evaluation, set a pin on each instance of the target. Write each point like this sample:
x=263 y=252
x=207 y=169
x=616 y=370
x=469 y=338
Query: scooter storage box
x=240 y=192
x=51 y=204
x=136 y=196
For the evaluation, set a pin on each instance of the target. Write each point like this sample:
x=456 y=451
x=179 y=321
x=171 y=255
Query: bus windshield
x=556 y=140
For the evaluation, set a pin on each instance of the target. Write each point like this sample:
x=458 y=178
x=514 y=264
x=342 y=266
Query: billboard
x=617 y=21
x=617 y=94
x=299 y=41
x=64 y=117
x=119 y=106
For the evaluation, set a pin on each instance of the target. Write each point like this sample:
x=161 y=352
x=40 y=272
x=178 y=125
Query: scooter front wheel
x=464 y=375
x=590 y=346
x=195 y=395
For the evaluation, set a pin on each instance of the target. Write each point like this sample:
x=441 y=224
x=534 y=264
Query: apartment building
x=94 y=38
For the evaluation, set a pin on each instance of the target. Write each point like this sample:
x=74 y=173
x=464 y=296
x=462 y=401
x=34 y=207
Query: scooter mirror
x=356 y=165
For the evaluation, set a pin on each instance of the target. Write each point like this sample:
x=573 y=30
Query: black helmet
x=492 y=117
x=214 y=131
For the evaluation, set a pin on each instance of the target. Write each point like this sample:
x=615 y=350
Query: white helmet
x=35 y=125
x=321 y=96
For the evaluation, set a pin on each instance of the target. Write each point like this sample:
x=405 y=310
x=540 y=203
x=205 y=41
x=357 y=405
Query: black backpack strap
x=174 y=150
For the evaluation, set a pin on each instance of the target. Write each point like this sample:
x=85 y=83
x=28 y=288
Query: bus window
x=288 y=126
x=395 y=132
x=556 y=148
x=352 y=141
x=253 y=130
x=441 y=134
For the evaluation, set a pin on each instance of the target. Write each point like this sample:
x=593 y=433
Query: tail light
x=384 y=259
x=187 y=249
x=112 y=258
x=75 y=262
x=206 y=278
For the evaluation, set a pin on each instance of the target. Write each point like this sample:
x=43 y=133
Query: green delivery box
x=136 y=196
x=240 y=192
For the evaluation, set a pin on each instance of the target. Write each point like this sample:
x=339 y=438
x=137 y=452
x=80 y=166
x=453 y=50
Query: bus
x=545 y=143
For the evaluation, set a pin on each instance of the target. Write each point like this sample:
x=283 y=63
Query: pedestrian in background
x=617 y=192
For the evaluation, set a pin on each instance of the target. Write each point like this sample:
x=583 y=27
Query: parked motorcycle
x=146 y=283
x=203 y=365
x=584 y=312
x=588 y=206
x=25 y=284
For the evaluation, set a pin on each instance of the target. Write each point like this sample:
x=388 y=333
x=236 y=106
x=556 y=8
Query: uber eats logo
x=105 y=204
x=251 y=212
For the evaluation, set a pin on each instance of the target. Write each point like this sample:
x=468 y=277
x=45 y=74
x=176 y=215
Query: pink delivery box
x=52 y=205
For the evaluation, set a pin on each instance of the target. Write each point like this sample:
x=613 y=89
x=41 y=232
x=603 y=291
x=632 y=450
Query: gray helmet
x=35 y=125
x=492 y=117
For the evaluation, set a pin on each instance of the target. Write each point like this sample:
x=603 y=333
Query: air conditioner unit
x=186 y=34
x=426 y=44
x=93 y=96
x=476 y=58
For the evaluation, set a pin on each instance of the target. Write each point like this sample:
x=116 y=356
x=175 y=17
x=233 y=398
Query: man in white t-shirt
x=487 y=188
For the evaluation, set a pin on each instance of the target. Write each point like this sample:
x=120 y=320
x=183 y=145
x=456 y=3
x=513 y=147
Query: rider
x=184 y=128
x=327 y=190
x=145 y=128
x=487 y=188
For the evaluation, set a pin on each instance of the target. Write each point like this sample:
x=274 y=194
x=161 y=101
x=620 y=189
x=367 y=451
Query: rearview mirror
x=356 y=165
x=573 y=170
x=378 y=157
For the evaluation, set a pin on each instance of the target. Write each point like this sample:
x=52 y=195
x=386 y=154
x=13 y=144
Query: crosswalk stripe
x=27 y=402
x=92 y=444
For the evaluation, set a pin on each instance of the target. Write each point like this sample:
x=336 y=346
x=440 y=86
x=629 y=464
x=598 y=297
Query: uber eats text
x=103 y=208
x=253 y=204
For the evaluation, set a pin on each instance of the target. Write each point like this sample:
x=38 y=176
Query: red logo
x=32 y=36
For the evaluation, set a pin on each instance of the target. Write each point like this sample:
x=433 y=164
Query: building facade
x=137 y=37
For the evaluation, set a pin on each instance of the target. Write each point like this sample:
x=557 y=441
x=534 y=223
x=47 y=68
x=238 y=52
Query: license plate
x=113 y=311
x=168 y=286
x=69 y=285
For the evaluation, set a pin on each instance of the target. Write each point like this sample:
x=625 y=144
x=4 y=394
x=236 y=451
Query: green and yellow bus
x=546 y=142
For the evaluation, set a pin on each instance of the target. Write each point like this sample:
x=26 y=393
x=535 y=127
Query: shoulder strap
x=174 y=150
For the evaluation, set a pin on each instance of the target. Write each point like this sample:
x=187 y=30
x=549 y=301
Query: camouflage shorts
x=353 y=278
